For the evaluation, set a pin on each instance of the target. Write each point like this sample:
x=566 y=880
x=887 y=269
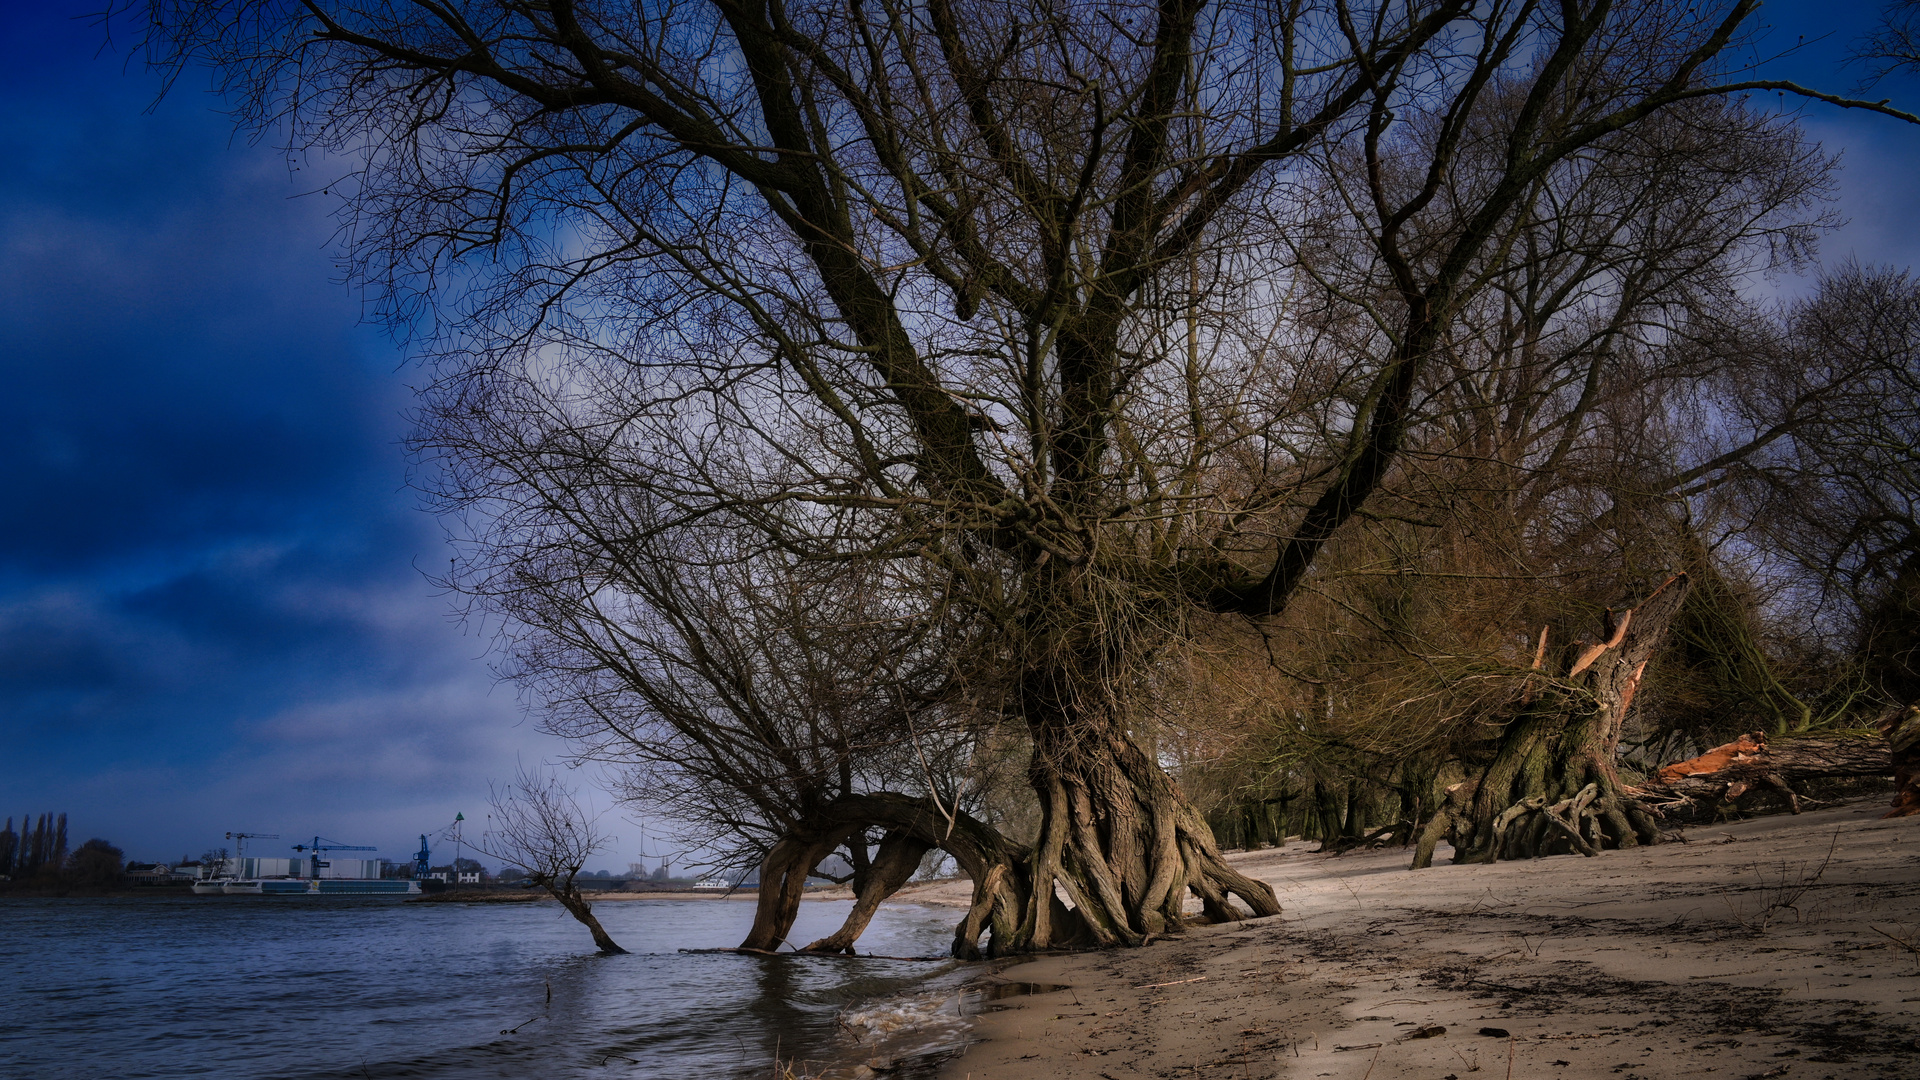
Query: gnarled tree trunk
x=1116 y=834
x=783 y=881
x=1117 y=837
x=1551 y=785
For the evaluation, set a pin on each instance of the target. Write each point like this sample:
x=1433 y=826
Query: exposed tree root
x=1125 y=847
x=1063 y=894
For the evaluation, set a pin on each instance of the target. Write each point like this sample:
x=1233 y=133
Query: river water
x=375 y=988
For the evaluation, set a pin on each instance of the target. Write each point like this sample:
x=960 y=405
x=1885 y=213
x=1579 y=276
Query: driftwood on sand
x=1757 y=762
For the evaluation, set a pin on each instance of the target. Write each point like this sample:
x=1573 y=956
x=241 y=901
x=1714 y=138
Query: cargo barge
x=311 y=876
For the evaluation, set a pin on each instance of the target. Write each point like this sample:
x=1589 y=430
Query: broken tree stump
x=1901 y=729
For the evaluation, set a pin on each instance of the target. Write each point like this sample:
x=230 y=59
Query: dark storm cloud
x=210 y=616
x=174 y=380
x=239 y=634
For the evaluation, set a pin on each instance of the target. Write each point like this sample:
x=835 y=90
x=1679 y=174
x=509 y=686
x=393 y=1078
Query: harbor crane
x=240 y=846
x=317 y=847
x=422 y=862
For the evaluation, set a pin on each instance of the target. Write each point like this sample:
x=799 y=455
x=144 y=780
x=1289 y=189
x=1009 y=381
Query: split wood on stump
x=1551 y=785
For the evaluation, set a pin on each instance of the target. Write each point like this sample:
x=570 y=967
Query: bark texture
x=1121 y=841
x=1901 y=729
x=1550 y=785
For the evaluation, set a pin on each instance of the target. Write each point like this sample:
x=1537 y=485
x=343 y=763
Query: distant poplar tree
x=9 y=845
x=36 y=849
x=45 y=847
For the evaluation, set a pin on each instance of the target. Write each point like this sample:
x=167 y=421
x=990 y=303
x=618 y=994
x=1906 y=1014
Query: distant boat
x=210 y=886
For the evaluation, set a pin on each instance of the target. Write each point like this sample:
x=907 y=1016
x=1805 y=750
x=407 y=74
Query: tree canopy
x=844 y=399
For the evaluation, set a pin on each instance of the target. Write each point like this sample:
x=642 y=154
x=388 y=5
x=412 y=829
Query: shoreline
x=594 y=896
x=1754 y=949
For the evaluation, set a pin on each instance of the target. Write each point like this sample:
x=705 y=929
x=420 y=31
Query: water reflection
x=375 y=989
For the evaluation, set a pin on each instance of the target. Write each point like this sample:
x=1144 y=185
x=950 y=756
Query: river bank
x=1781 y=946
x=748 y=894
x=10 y=891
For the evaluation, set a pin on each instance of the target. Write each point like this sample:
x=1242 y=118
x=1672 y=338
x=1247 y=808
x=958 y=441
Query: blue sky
x=212 y=615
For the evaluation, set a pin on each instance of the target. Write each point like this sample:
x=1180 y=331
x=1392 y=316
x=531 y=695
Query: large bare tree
x=993 y=290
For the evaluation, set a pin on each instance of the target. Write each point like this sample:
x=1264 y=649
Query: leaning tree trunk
x=897 y=859
x=999 y=869
x=1116 y=834
x=783 y=881
x=1551 y=785
x=565 y=891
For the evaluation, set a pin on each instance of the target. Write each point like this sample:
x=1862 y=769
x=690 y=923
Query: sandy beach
x=1780 y=946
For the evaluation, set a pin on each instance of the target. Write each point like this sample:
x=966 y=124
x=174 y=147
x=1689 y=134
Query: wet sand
x=1761 y=948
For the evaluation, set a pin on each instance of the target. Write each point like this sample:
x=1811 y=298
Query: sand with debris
x=1781 y=946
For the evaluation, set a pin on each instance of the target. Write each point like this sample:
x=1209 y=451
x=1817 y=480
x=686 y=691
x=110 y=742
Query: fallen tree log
x=1755 y=762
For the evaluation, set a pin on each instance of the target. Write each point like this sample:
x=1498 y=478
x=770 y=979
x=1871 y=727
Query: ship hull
x=322 y=887
x=365 y=887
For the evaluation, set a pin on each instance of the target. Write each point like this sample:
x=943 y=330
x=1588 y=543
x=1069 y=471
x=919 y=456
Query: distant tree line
x=35 y=856
x=39 y=843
